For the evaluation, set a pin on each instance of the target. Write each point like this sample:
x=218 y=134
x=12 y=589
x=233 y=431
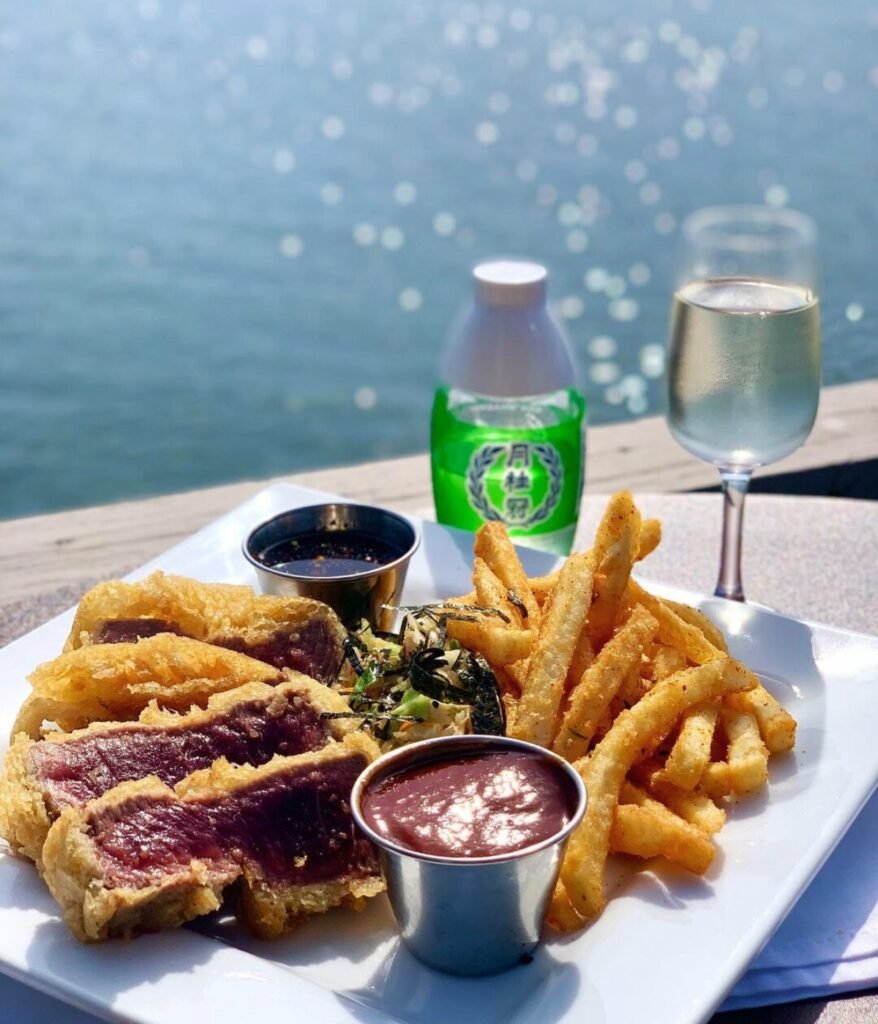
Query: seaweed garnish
x=451 y=611
x=352 y=653
x=418 y=676
x=489 y=711
x=517 y=602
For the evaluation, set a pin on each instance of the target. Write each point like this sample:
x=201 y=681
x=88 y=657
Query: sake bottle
x=507 y=430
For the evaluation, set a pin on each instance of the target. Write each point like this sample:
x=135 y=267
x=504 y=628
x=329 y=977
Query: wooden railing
x=48 y=552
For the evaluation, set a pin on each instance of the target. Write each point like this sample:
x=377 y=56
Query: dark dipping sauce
x=329 y=553
x=476 y=805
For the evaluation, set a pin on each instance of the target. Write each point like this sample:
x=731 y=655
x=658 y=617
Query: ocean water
x=232 y=236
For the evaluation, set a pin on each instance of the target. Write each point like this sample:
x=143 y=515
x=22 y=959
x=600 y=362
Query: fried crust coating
x=211 y=612
x=111 y=682
x=95 y=911
x=27 y=812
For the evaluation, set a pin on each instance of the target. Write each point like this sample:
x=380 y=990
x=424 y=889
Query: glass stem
x=735 y=486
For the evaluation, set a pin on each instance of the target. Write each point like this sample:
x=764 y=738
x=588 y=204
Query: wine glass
x=744 y=351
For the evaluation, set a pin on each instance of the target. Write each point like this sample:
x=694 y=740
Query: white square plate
x=666 y=950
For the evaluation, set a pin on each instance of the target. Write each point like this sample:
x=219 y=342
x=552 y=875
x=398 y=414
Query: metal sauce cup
x=468 y=915
x=357 y=595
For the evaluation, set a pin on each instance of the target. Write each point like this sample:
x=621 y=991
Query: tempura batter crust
x=26 y=810
x=116 y=681
x=95 y=910
x=220 y=613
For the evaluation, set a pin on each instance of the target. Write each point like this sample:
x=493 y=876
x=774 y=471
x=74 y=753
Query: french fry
x=601 y=682
x=777 y=725
x=673 y=630
x=583 y=657
x=650 y=538
x=690 y=754
x=615 y=550
x=634 y=733
x=605 y=722
x=623 y=657
x=716 y=781
x=500 y=645
x=494 y=546
x=506 y=681
x=490 y=592
x=634 y=686
x=511 y=705
x=542 y=586
x=748 y=755
x=518 y=673
x=665 y=661
x=685 y=637
x=550 y=660
x=691 y=805
x=694 y=617
x=644 y=827
x=561 y=916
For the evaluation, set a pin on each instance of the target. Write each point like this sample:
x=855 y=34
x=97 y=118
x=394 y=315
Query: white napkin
x=829 y=942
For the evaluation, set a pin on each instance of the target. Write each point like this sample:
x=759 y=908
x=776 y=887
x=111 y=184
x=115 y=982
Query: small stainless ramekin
x=468 y=915
x=356 y=596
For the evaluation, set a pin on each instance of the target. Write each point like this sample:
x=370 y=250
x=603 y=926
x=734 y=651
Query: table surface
x=802 y=556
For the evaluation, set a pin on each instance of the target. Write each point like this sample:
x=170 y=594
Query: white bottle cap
x=510 y=284
x=508 y=344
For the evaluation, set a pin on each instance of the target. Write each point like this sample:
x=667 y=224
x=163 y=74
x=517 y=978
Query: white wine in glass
x=744 y=351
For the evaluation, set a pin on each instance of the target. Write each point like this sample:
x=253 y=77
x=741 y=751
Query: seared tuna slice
x=145 y=856
x=286 y=632
x=248 y=725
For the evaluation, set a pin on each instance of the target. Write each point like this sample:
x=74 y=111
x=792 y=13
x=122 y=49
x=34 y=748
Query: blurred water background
x=232 y=235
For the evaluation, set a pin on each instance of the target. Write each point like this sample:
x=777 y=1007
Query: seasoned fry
x=511 y=705
x=716 y=781
x=641 y=685
x=506 y=681
x=561 y=916
x=697 y=618
x=691 y=805
x=650 y=538
x=673 y=630
x=601 y=682
x=542 y=586
x=501 y=645
x=518 y=672
x=615 y=550
x=583 y=656
x=634 y=686
x=644 y=827
x=548 y=665
x=632 y=736
x=748 y=755
x=685 y=637
x=494 y=546
x=665 y=661
x=777 y=725
x=690 y=754
x=640 y=832
x=490 y=592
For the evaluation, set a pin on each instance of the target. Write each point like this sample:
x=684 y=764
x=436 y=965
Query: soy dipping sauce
x=326 y=553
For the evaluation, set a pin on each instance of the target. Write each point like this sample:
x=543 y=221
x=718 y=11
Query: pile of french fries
x=639 y=693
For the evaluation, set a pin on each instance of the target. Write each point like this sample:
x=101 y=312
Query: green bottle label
x=529 y=478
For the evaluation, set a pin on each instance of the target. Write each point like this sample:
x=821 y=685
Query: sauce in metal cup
x=352 y=557
x=459 y=907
